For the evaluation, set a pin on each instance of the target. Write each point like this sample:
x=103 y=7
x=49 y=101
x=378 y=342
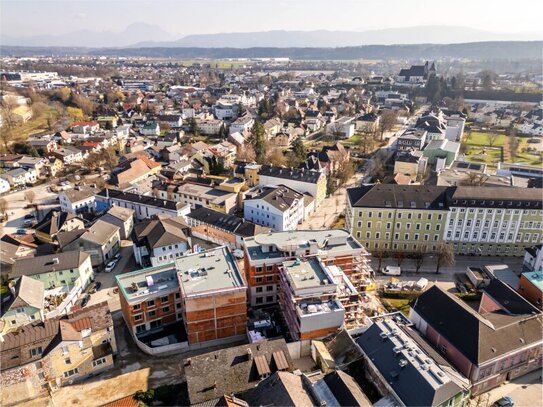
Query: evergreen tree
x=258 y=141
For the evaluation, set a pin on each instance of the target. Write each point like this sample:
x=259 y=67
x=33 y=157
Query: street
x=526 y=391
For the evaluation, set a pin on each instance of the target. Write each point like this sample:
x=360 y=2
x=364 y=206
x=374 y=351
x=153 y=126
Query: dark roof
x=295 y=174
x=400 y=196
x=280 y=389
x=281 y=197
x=49 y=263
x=161 y=231
x=346 y=390
x=140 y=199
x=410 y=382
x=229 y=370
x=53 y=222
x=497 y=197
x=230 y=223
x=479 y=337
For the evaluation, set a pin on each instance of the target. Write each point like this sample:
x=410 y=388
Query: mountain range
x=143 y=35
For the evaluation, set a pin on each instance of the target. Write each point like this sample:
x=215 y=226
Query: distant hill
x=141 y=34
x=507 y=50
x=324 y=38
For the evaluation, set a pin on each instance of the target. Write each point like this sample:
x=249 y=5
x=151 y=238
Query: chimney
x=250 y=353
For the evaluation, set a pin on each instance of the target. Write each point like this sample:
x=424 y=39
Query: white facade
x=4 y=186
x=168 y=254
x=297 y=185
x=263 y=213
x=87 y=204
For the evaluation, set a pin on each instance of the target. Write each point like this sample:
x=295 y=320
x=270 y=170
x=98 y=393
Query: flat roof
x=330 y=240
x=196 y=273
x=212 y=270
x=307 y=273
x=535 y=277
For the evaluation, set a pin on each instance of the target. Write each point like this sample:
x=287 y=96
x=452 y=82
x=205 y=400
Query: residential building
x=411 y=139
x=121 y=217
x=150 y=129
x=494 y=221
x=200 y=196
x=298 y=179
x=441 y=153
x=434 y=123
x=279 y=208
x=308 y=299
x=101 y=240
x=143 y=206
x=55 y=222
x=235 y=369
x=343 y=127
x=221 y=228
x=242 y=124
x=43 y=356
x=77 y=200
x=68 y=155
x=367 y=123
x=19 y=177
x=175 y=121
x=265 y=253
x=4 y=186
x=411 y=164
x=25 y=305
x=60 y=270
x=397 y=218
x=212 y=313
x=209 y=127
x=161 y=240
x=531 y=287
x=403 y=366
x=497 y=340
x=533 y=258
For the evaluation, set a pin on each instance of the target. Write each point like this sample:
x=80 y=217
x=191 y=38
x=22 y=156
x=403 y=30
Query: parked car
x=392 y=271
x=30 y=216
x=28 y=222
x=506 y=401
x=85 y=300
x=238 y=253
x=95 y=287
x=117 y=257
x=20 y=231
x=110 y=266
x=422 y=283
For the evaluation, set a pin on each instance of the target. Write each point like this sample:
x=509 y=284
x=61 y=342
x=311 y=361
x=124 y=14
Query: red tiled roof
x=127 y=401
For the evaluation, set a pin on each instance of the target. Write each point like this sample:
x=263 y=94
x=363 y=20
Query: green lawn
x=400 y=304
x=478 y=150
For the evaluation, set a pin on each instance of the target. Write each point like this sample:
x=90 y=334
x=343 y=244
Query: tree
x=217 y=166
x=75 y=113
x=380 y=254
x=246 y=153
x=387 y=120
x=399 y=257
x=9 y=103
x=276 y=157
x=298 y=151
x=444 y=256
x=193 y=126
x=258 y=141
x=492 y=137
x=62 y=94
x=487 y=77
x=433 y=89
x=513 y=144
x=345 y=171
x=145 y=397
x=84 y=103
x=475 y=179
x=3 y=206
x=30 y=196
x=419 y=257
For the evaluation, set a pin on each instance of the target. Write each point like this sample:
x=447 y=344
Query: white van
x=392 y=271
x=422 y=284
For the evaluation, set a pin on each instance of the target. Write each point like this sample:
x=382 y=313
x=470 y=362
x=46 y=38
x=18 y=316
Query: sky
x=20 y=18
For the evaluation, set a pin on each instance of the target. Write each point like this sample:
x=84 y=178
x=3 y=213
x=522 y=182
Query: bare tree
x=246 y=153
x=492 y=137
x=387 y=120
x=3 y=206
x=475 y=179
x=380 y=254
x=9 y=103
x=399 y=257
x=30 y=196
x=513 y=144
x=276 y=157
x=445 y=256
x=419 y=257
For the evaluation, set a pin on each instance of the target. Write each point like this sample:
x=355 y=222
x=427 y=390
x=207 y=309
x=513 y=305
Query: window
x=98 y=362
x=151 y=303
x=408 y=226
x=428 y=226
x=151 y=314
x=68 y=361
x=369 y=214
x=399 y=215
x=398 y=225
x=36 y=351
x=270 y=268
x=258 y=279
x=258 y=269
x=140 y=329
x=138 y=317
x=369 y=225
x=377 y=235
x=269 y=298
x=155 y=324
x=71 y=373
x=269 y=288
x=438 y=226
x=389 y=225
x=429 y=216
x=425 y=237
x=258 y=289
x=259 y=300
x=165 y=309
x=406 y=236
x=368 y=235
